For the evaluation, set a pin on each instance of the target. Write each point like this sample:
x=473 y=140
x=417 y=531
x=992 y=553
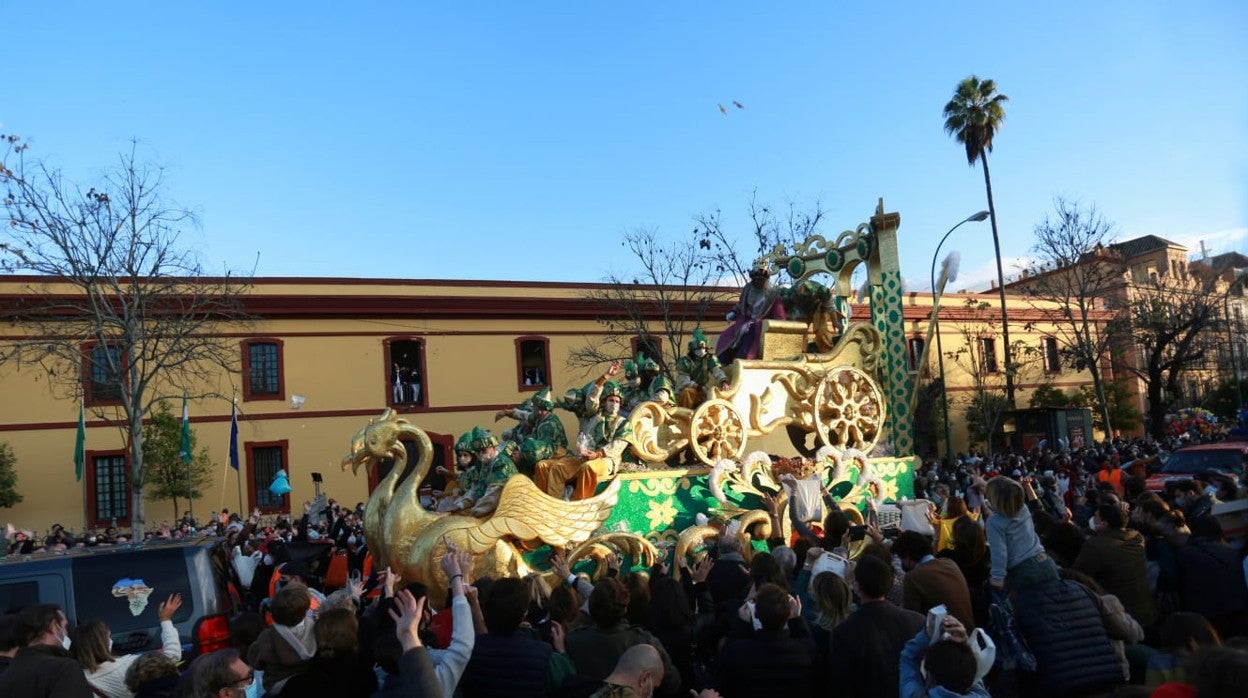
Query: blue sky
x=522 y=140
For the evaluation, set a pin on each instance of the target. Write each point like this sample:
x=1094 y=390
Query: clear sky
x=508 y=140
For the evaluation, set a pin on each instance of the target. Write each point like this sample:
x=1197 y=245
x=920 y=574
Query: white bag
x=806 y=498
x=914 y=516
x=985 y=652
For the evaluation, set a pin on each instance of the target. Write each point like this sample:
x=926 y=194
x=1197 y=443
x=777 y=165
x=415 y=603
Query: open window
x=988 y=355
x=914 y=353
x=532 y=363
x=107 y=479
x=263 y=462
x=405 y=373
x=1052 y=357
x=263 y=377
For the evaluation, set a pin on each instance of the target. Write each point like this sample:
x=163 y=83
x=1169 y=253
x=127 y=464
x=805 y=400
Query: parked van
x=125 y=585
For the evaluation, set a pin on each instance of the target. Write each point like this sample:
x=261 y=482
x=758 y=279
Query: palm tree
x=973 y=117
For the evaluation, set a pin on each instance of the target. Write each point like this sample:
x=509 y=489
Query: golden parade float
x=836 y=395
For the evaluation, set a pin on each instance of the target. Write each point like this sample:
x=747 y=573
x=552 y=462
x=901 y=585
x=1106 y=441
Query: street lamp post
x=940 y=353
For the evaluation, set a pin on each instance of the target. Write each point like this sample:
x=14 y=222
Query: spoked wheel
x=849 y=409
x=717 y=431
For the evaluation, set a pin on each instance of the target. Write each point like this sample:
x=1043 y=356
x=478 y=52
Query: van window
x=126 y=590
x=18 y=594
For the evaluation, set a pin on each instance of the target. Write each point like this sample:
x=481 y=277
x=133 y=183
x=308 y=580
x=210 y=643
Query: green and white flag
x=80 y=444
x=184 y=451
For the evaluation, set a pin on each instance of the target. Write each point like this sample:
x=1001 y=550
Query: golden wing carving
x=525 y=513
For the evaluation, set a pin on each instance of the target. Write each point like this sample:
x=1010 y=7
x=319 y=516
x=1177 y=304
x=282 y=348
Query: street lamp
x=940 y=353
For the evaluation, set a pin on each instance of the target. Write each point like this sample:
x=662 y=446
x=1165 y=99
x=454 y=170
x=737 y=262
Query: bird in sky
x=737 y=104
x=723 y=110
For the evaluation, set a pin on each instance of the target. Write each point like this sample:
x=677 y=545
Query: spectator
x=771 y=658
x=638 y=672
x=337 y=669
x=43 y=668
x=93 y=643
x=931 y=581
x=970 y=553
x=595 y=649
x=1182 y=634
x=507 y=661
x=415 y=667
x=220 y=674
x=1018 y=557
x=1211 y=578
x=1114 y=557
x=152 y=675
x=285 y=649
x=671 y=619
x=948 y=664
x=862 y=659
x=833 y=601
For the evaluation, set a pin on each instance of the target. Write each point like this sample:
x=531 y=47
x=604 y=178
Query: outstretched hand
x=169 y=607
x=407 y=619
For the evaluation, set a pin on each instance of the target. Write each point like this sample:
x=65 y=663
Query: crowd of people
x=1043 y=573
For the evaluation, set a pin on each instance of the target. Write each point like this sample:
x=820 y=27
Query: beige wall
x=337 y=364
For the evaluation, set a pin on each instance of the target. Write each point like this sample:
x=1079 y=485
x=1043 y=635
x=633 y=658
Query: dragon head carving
x=379 y=439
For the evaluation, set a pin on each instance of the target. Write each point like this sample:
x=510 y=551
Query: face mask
x=1092 y=523
x=110 y=644
x=253 y=689
x=611 y=407
x=65 y=641
x=268 y=559
x=699 y=352
x=351 y=540
x=313 y=535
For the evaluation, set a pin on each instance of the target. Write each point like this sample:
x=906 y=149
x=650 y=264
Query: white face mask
x=351 y=540
x=65 y=640
x=611 y=407
x=268 y=559
x=110 y=644
x=1092 y=523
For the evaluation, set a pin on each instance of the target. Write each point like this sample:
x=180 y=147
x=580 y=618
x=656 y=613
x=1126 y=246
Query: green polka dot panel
x=797 y=267
x=834 y=260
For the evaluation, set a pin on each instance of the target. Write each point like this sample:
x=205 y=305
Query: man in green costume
x=493 y=470
x=602 y=449
x=547 y=439
x=698 y=372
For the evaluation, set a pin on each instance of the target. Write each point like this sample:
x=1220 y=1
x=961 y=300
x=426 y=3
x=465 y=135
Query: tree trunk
x=1098 y=384
x=1157 y=408
x=1005 y=321
x=137 y=528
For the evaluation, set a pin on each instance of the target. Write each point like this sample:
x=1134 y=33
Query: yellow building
x=323 y=357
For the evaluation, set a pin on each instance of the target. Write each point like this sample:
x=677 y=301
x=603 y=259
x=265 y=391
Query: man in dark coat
x=771 y=660
x=596 y=649
x=864 y=654
x=1114 y=557
x=42 y=668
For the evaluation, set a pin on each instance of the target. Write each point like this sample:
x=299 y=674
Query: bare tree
x=669 y=294
x=768 y=231
x=1168 y=319
x=117 y=311
x=676 y=283
x=1075 y=270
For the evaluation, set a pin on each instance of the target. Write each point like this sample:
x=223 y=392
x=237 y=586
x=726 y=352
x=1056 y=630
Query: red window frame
x=88 y=395
x=248 y=395
x=250 y=448
x=386 y=365
x=520 y=368
x=88 y=478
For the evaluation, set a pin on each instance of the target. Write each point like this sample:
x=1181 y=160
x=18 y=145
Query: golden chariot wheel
x=717 y=431
x=849 y=409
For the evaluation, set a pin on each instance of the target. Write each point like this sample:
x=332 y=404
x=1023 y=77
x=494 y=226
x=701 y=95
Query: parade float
x=825 y=403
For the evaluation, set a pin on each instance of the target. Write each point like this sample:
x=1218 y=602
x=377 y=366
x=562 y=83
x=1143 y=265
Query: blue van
x=124 y=586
